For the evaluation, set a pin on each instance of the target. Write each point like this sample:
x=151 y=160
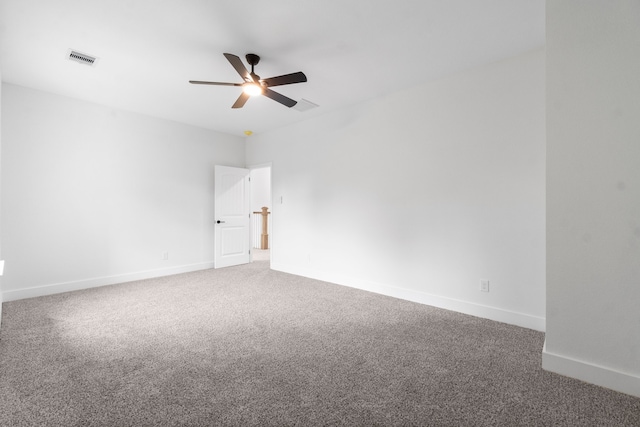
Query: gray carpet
x=247 y=346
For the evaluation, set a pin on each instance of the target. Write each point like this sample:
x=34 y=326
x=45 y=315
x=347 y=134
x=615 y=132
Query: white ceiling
x=350 y=50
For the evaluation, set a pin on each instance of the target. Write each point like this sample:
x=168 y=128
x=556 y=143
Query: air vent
x=82 y=58
x=304 y=105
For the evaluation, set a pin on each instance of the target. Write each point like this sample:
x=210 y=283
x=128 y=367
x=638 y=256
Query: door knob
x=219 y=222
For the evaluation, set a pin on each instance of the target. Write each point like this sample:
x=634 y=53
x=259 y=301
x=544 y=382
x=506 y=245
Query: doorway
x=261 y=223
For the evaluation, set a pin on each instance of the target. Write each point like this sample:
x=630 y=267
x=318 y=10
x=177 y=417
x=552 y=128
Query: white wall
x=260 y=188
x=93 y=195
x=423 y=193
x=593 y=192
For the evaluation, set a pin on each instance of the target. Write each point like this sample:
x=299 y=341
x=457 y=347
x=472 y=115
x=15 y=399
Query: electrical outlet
x=484 y=286
x=165 y=256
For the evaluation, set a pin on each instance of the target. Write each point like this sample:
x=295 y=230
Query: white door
x=232 y=211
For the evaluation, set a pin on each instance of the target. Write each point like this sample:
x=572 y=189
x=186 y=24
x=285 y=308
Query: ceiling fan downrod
x=253 y=59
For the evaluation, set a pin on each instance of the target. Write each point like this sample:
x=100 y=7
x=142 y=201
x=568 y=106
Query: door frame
x=271 y=231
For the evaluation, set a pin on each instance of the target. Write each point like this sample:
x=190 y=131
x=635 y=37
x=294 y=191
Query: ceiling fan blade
x=198 y=82
x=236 y=62
x=242 y=99
x=286 y=79
x=279 y=98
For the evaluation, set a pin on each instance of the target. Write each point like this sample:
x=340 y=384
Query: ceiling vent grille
x=82 y=58
x=304 y=105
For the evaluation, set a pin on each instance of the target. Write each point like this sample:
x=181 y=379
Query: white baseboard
x=590 y=373
x=473 y=309
x=56 y=288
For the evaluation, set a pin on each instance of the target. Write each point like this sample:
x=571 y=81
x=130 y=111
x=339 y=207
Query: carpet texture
x=247 y=346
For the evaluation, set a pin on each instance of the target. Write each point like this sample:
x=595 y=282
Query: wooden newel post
x=264 y=237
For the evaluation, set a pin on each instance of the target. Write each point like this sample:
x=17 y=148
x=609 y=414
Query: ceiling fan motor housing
x=252 y=59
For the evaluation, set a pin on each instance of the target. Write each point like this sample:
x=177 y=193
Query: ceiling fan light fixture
x=252 y=89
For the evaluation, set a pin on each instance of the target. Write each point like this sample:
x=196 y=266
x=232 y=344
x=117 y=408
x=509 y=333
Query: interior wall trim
x=591 y=373
x=56 y=288
x=492 y=313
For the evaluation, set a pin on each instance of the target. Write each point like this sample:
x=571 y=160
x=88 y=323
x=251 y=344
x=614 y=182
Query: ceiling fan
x=253 y=85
